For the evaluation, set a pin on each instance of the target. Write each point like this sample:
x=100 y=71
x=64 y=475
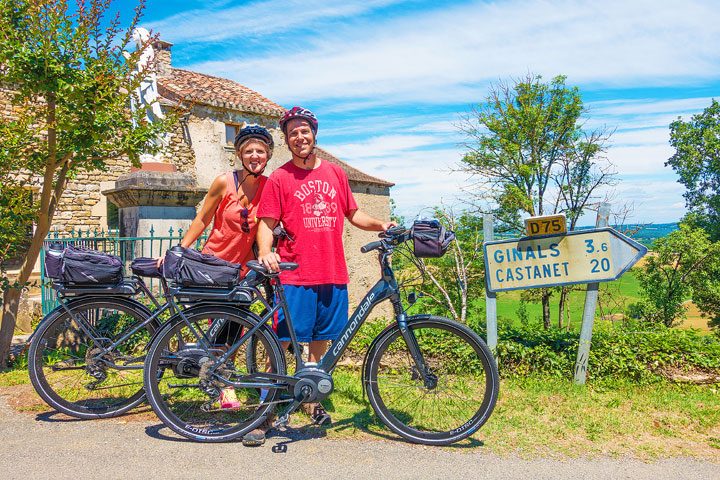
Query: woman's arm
x=206 y=213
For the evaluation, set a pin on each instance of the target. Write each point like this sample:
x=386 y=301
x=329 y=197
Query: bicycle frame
x=385 y=288
x=90 y=331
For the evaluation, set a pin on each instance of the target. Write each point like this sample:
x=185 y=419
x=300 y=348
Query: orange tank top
x=227 y=239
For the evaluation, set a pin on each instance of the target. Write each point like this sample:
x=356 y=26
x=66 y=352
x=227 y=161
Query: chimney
x=163 y=57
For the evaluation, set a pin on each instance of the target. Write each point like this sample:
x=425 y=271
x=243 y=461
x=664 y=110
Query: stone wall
x=363 y=267
x=205 y=132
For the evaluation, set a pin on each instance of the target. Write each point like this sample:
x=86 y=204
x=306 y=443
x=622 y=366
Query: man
x=311 y=197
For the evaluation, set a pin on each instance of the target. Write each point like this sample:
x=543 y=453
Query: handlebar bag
x=80 y=266
x=145 y=267
x=190 y=268
x=430 y=238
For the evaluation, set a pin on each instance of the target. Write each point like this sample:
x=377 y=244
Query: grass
x=539 y=417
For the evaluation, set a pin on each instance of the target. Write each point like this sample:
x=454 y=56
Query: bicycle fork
x=421 y=369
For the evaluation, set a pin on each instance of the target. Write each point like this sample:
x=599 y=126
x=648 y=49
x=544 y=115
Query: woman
x=231 y=205
x=231 y=202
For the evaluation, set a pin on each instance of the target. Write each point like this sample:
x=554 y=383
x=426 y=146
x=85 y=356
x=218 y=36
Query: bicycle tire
x=466 y=381
x=57 y=359
x=178 y=398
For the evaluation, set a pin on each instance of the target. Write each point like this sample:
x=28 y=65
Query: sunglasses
x=245 y=227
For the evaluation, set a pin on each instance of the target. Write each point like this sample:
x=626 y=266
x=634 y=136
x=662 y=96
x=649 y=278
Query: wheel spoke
x=428 y=408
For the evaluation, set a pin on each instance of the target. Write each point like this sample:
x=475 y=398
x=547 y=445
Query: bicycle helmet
x=254 y=131
x=299 y=112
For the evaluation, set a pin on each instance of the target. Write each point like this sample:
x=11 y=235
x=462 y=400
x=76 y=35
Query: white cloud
x=450 y=55
x=647 y=106
x=382 y=146
x=640 y=160
x=255 y=18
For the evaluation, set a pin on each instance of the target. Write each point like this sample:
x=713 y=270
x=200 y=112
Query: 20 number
x=603 y=264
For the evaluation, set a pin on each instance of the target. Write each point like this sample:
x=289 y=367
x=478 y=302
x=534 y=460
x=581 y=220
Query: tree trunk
x=561 y=306
x=11 y=299
x=546 y=308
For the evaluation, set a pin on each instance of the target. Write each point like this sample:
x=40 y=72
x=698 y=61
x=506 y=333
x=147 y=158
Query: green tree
x=72 y=88
x=453 y=280
x=681 y=268
x=529 y=155
x=697 y=161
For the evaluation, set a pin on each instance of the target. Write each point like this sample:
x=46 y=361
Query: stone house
x=201 y=146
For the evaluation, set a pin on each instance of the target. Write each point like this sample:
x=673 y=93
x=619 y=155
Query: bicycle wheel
x=68 y=368
x=186 y=396
x=458 y=395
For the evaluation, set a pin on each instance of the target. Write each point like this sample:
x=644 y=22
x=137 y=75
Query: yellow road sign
x=546 y=225
x=599 y=255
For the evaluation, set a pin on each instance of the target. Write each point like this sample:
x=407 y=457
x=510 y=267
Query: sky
x=389 y=80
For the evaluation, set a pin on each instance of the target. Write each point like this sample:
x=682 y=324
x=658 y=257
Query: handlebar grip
x=370 y=246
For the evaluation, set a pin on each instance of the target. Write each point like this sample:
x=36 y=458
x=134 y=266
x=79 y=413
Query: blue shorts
x=319 y=312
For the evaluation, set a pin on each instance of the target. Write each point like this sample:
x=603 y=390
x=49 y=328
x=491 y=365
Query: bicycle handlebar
x=371 y=246
x=393 y=236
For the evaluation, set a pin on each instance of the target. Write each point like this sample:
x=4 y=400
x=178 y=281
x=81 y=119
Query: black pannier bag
x=190 y=268
x=79 y=266
x=53 y=260
x=145 y=267
x=430 y=238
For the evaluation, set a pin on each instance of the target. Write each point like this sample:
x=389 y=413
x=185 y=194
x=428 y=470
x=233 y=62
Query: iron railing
x=127 y=248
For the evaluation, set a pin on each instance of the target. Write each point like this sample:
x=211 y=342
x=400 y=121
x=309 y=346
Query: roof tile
x=184 y=85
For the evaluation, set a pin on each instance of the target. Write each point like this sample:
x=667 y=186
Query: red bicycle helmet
x=299 y=112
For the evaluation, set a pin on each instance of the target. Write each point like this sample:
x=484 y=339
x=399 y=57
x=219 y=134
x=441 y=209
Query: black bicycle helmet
x=255 y=131
x=260 y=133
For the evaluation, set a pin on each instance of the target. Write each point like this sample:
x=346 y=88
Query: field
x=614 y=299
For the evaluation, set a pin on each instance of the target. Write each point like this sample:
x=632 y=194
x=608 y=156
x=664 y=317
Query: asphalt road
x=46 y=446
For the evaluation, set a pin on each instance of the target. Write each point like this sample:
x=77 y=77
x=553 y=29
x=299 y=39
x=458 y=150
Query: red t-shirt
x=312 y=205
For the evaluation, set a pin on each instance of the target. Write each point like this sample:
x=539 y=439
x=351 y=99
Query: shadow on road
x=56 y=417
x=366 y=417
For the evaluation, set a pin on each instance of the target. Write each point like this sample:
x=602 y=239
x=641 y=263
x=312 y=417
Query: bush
x=617 y=352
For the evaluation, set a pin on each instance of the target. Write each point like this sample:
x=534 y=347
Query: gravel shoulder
x=46 y=445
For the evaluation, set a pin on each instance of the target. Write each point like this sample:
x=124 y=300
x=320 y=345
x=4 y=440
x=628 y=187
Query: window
x=230 y=131
x=113 y=217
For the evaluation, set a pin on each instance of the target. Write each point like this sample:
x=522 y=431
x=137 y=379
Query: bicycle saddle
x=260 y=268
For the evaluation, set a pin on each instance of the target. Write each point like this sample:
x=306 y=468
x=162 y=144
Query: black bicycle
x=429 y=379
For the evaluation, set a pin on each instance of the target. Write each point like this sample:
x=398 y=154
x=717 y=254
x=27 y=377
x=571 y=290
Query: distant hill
x=647 y=233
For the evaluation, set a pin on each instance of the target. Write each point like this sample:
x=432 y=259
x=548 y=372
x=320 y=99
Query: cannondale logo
x=354 y=323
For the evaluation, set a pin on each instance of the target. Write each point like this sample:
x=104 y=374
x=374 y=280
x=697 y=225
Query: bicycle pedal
x=279 y=448
x=282 y=421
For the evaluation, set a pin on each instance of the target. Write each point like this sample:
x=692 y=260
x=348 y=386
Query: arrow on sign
x=586 y=256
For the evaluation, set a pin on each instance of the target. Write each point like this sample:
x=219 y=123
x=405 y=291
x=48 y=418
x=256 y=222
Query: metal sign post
x=490 y=297
x=591 y=298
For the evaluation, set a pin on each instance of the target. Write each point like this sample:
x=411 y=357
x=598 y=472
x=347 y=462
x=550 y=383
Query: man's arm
x=363 y=221
x=265 y=240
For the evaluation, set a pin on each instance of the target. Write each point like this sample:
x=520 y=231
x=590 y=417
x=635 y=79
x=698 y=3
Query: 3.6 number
x=590 y=246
